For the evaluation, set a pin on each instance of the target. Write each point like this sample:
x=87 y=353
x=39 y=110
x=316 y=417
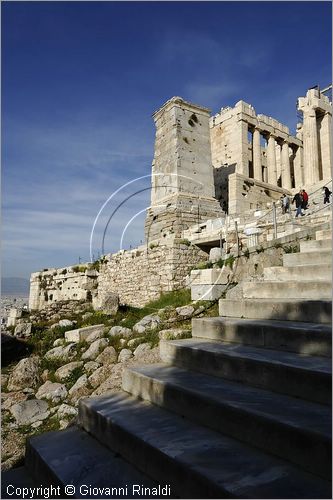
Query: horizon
x=81 y=81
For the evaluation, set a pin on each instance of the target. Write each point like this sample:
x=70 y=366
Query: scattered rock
x=80 y=389
x=37 y=424
x=64 y=371
x=23 y=330
x=133 y=342
x=45 y=375
x=81 y=334
x=12 y=398
x=120 y=330
x=108 y=303
x=25 y=374
x=124 y=355
x=53 y=391
x=172 y=333
x=99 y=376
x=91 y=366
x=28 y=412
x=147 y=323
x=109 y=355
x=185 y=310
x=64 y=352
x=141 y=349
x=66 y=322
x=95 y=336
x=94 y=349
x=66 y=411
x=58 y=342
x=87 y=315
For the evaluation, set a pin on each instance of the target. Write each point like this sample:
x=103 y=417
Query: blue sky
x=80 y=81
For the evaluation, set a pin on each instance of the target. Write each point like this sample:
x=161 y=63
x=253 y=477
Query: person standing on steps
x=327 y=194
x=298 y=199
x=305 y=201
x=285 y=204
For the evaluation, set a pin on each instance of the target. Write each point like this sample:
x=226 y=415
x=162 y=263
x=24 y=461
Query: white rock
x=28 y=412
x=58 y=342
x=80 y=334
x=94 y=349
x=185 y=310
x=147 y=323
x=124 y=355
x=99 y=376
x=132 y=342
x=62 y=352
x=141 y=349
x=120 y=330
x=37 y=424
x=80 y=389
x=25 y=374
x=172 y=333
x=109 y=355
x=95 y=336
x=65 y=411
x=91 y=366
x=53 y=391
x=64 y=371
x=66 y=322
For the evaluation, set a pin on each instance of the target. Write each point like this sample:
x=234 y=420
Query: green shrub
x=291 y=248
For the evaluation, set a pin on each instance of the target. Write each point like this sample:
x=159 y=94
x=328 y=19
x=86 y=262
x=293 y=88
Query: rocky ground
x=76 y=352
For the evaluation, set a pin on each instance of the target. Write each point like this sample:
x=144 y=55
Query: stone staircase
x=243 y=409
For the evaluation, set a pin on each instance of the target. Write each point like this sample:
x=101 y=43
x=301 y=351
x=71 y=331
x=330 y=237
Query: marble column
x=310 y=142
x=271 y=161
x=242 y=166
x=256 y=153
x=326 y=146
x=286 y=176
x=298 y=168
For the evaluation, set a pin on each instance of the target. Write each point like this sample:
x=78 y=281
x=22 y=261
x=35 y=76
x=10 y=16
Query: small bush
x=229 y=261
x=246 y=253
x=291 y=248
x=204 y=265
x=185 y=242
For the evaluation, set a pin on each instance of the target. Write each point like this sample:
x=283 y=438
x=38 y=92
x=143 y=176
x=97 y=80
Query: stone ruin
x=205 y=169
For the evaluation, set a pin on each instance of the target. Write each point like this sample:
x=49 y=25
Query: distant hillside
x=15 y=286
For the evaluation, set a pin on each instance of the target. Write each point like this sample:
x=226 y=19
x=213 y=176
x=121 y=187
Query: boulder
x=141 y=349
x=94 y=336
x=172 y=333
x=58 y=342
x=12 y=398
x=91 y=366
x=25 y=374
x=108 y=356
x=80 y=389
x=94 y=349
x=108 y=303
x=53 y=391
x=28 y=412
x=120 y=330
x=147 y=323
x=66 y=411
x=23 y=330
x=124 y=355
x=99 y=376
x=63 y=352
x=185 y=311
x=66 y=322
x=81 y=334
x=64 y=371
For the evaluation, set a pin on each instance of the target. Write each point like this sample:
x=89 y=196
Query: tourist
x=298 y=199
x=305 y=201
x=285 y=204
x=327 y=194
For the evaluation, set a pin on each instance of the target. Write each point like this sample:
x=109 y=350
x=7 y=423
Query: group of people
x=301 y=200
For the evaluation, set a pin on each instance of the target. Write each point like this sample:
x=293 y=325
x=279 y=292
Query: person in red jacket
x=305 y=201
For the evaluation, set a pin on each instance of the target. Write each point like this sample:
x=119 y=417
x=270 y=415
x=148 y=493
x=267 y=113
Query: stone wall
x=142 y=274
x=137 y=276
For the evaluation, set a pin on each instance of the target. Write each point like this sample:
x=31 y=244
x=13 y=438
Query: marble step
x=72 y=457
x=300 y=258
x=290 y=428
x=197 y=462
x=13 y=482
x=319 y=311
x=303 y=338
x=315 y=245
x=293 y=289
x=319 y=272
x=306 y=377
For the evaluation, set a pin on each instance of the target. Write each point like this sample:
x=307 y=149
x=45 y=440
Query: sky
x=80 y=81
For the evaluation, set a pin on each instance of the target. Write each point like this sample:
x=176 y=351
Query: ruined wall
x=142 y=274
x=137 y=276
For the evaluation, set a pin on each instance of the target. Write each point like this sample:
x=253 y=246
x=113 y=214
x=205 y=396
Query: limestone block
x=124 y=355
x=108 y=303
x=65 y=371
x=28 y=412
x=207 y=292
x=81 y=334
x=25 y=374
x=53 y=391
x=94 y=349
x=141 y=349
x=120 y=330
x=216 y=254
x=63 y=352
x=108 y=356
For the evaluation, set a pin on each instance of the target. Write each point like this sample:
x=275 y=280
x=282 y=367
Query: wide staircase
x=243 y=409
